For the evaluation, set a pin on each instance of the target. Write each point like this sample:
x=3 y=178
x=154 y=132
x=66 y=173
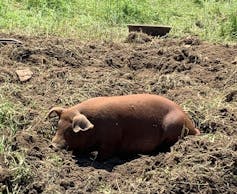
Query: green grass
x=14 y=159
x=8 y=123
x=7 y=113
x=106 y=19
x=20 y=170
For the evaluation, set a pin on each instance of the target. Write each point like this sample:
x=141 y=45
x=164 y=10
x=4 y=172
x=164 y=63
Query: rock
x=24 y=74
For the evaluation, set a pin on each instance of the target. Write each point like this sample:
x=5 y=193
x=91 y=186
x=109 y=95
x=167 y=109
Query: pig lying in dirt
x=140 y=123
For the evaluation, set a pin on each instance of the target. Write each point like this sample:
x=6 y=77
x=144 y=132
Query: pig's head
x=73 y=129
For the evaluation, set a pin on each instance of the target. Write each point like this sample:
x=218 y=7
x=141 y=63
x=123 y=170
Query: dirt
x=200 y=76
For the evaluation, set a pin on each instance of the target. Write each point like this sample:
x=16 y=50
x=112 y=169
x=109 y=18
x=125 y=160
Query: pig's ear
x=81 y=123
x=57 y=110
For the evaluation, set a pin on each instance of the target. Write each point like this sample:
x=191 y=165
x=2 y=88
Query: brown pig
x=139 y=123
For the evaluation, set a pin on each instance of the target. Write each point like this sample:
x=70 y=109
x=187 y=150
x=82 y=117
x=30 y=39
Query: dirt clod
x=135 y=37
x=232 y=96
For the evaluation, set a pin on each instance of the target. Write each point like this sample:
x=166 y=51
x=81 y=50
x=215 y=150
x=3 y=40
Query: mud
x=200 y=76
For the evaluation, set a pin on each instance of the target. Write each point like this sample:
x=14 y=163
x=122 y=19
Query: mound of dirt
x=135 y=37
x=199 y=76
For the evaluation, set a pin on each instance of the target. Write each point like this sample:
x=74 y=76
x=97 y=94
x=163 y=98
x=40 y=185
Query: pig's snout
x=58 y=143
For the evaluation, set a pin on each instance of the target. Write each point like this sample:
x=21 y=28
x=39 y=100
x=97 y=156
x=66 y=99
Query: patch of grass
x=9 y=122
x=212 y=111
x=93 y=19
x=2 y=143
x=230 y=26
x=55 y=160
x=106 y=189
x=13 y=159
x=7 y=119
x=20 y=170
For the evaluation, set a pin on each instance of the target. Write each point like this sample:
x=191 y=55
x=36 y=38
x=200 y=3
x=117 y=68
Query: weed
x=233 y=24
x=198 y=2
x=20 y=170
x=2 y=143
x=55 y=160
x=7 y=119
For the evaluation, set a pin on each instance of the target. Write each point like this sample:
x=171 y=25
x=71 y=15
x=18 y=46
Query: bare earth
x=200 y=76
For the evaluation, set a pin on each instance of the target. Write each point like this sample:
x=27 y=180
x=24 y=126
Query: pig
x=117 y=125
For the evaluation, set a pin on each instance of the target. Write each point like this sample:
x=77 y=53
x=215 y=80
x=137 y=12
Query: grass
x=7 y=113
x=8 y=123
x=13 y=159
x=207 y=108
x=55 y=160
x=21 y=171
x=210 y=19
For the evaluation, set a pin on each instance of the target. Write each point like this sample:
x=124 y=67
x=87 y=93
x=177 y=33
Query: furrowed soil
x=200 y=76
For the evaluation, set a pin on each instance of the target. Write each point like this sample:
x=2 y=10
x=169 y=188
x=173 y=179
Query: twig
x=10 y=41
